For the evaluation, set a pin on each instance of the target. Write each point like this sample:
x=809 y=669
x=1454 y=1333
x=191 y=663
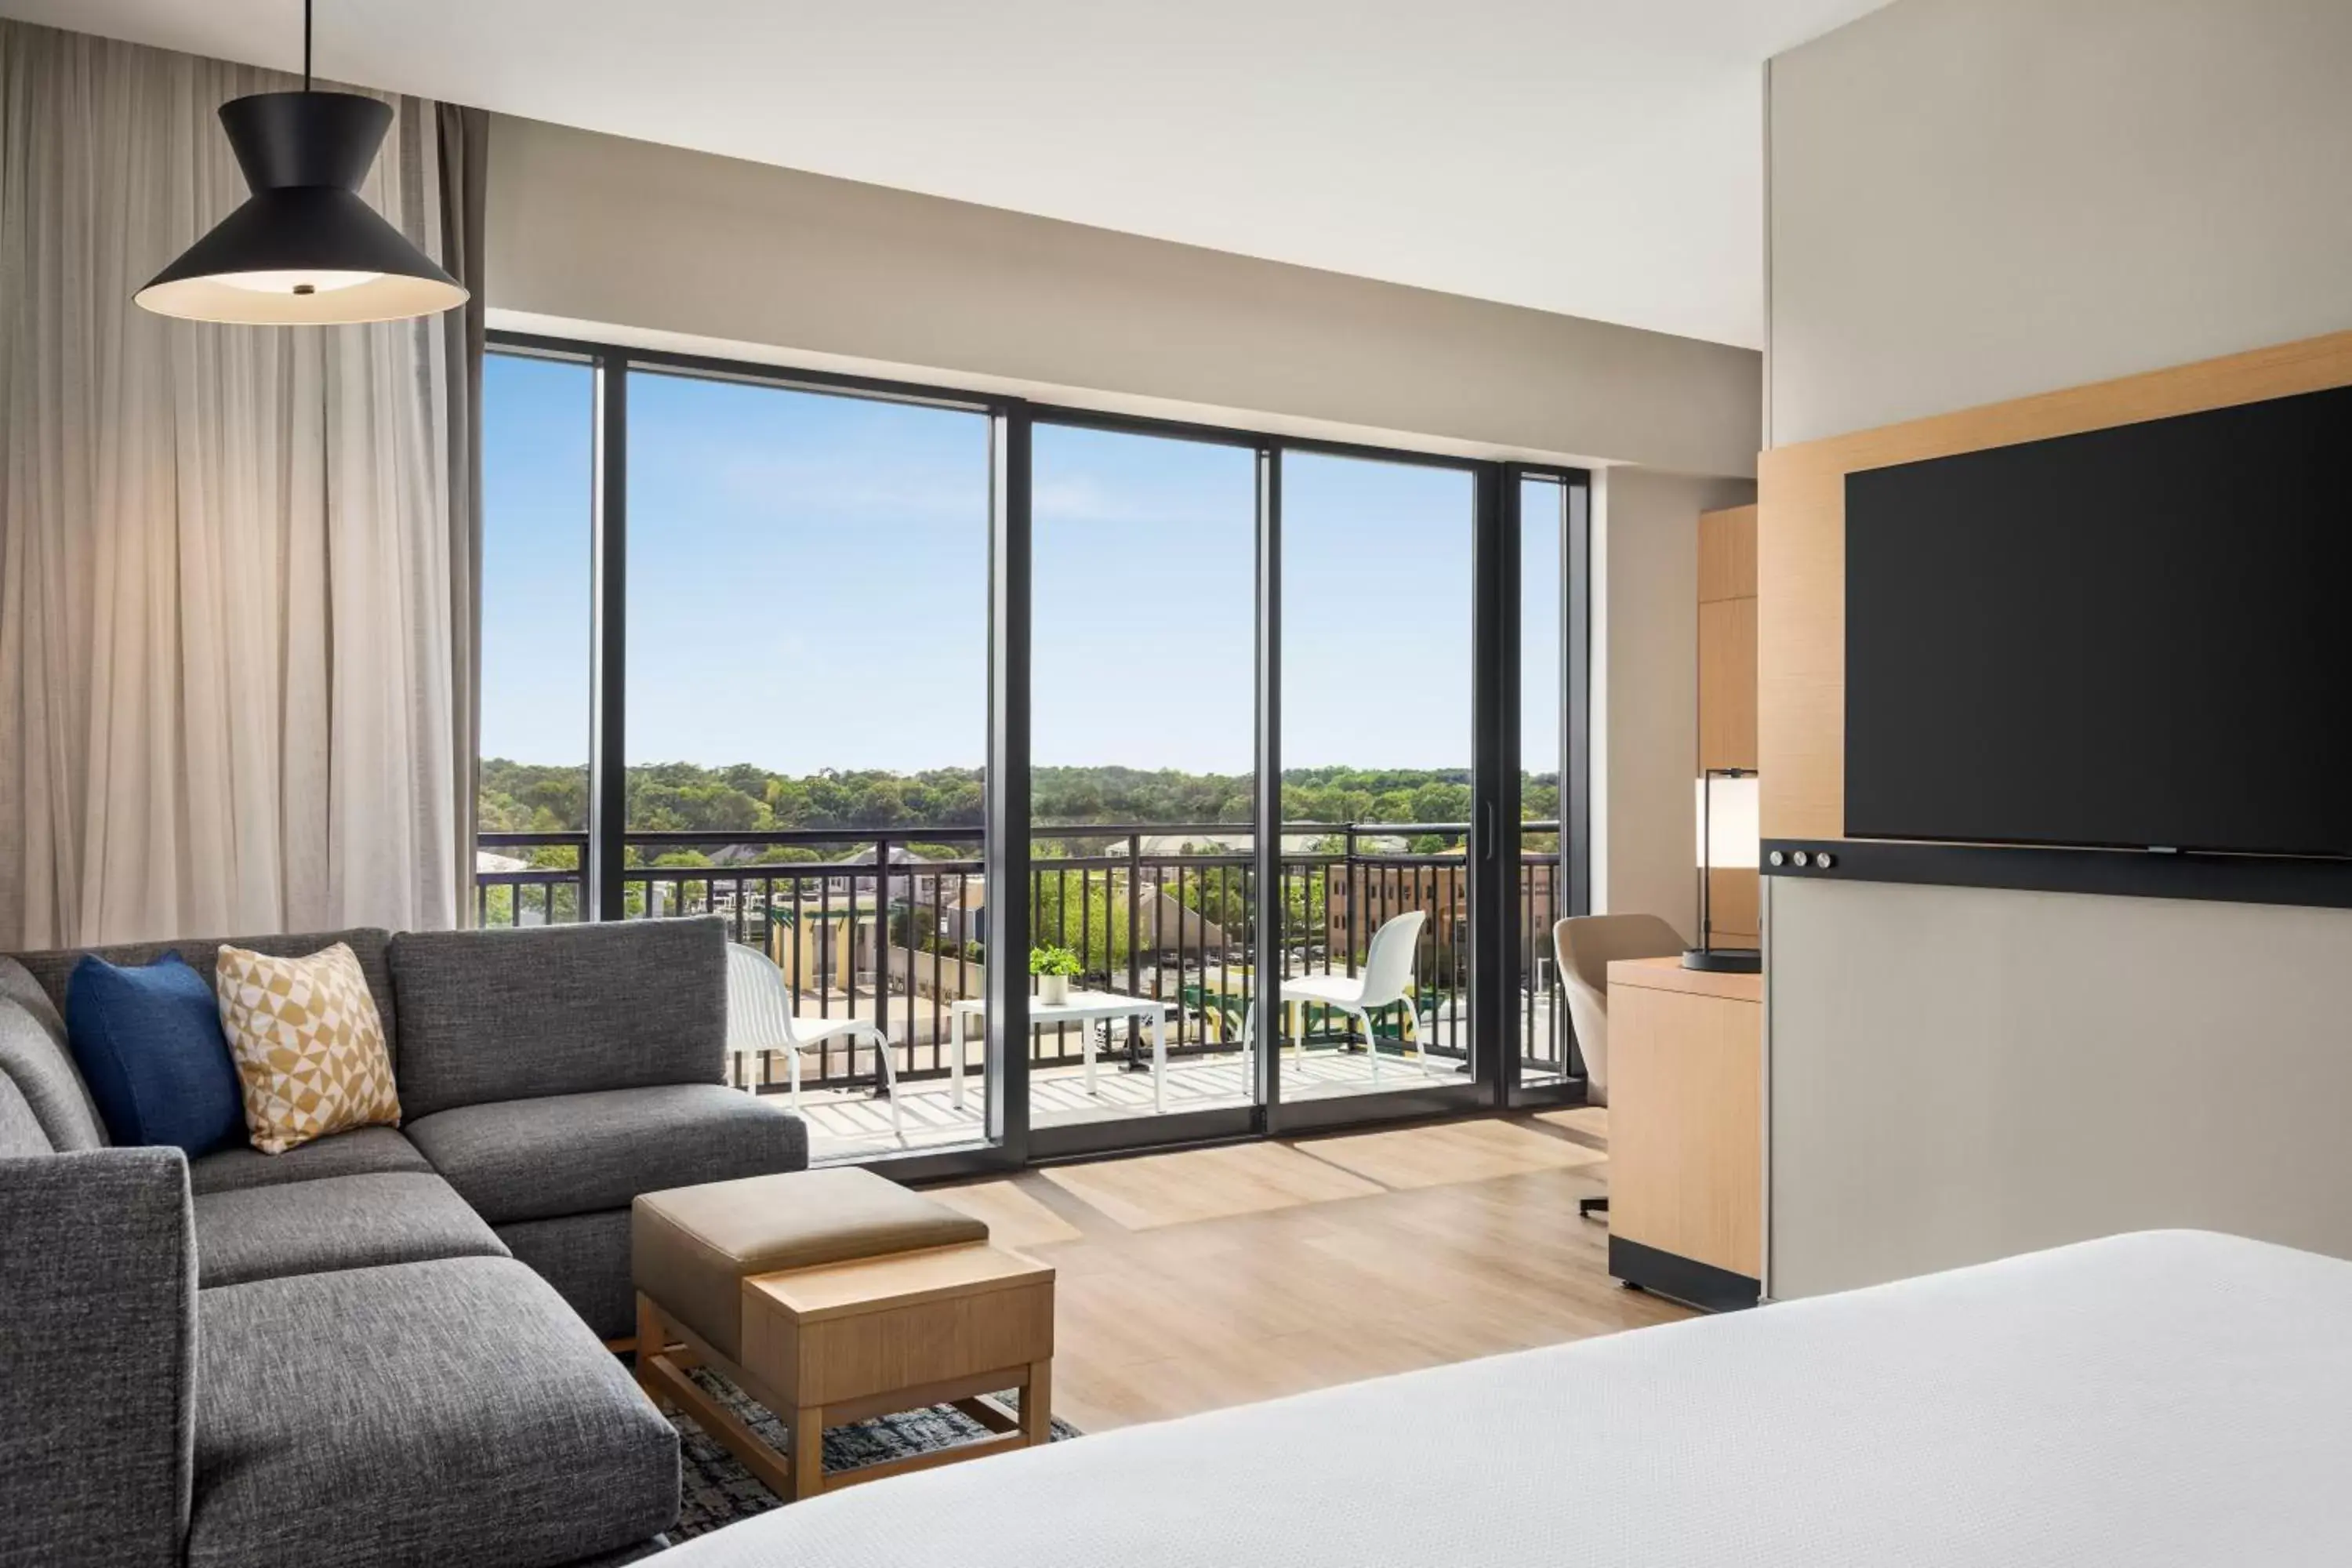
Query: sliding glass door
x=1377 y=680
x=808 y=721
x=1143 y=771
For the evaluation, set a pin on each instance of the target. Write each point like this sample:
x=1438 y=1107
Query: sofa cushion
x=21 y=1135
x=586 y=1257
x=578 y=1154
x=53 y=969
x=357 y=1152
x=18 y=984
x=509 y=1014
x=342 y=1222
x=32 y=1052
x=453 y=1412
x=147 y=1038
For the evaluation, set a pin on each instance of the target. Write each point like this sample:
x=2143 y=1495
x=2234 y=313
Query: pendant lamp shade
x=305 y=248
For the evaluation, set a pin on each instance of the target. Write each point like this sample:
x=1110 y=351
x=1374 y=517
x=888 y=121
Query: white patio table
x=1083 y=1007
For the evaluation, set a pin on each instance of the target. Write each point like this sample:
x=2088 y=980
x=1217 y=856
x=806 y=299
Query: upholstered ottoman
x=832 y=1296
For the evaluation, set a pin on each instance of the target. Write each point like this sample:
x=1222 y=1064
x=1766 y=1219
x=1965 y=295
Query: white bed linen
x=2166 y=1398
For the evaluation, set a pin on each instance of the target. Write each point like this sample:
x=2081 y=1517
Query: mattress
x=2165 y=1398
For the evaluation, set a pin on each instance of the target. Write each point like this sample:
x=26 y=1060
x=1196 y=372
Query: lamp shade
x=1730 y=821
x=305 y=248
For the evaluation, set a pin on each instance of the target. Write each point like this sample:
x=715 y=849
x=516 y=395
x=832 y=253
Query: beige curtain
x=234 y=590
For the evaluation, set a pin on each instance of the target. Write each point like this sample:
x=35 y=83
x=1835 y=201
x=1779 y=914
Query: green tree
x=742 y=797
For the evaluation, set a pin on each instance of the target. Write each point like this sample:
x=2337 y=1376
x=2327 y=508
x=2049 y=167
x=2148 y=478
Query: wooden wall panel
x=1727 y=684
x=1726 y=689
x=1726 y=555
x=1800 y=543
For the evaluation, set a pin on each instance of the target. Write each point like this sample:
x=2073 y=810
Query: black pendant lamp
x=305 y=249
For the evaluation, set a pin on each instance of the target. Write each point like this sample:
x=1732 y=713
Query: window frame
x=1494 y=839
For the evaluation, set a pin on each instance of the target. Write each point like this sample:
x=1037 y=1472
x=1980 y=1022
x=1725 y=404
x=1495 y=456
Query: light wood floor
x=849 y=1125
x=1217 y=1277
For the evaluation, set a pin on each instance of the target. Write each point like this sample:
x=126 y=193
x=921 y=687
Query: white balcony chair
x=760 y=1019
x=1385 y=980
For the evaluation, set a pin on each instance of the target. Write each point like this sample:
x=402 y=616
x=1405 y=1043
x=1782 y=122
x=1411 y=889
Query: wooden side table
x=847 y=1341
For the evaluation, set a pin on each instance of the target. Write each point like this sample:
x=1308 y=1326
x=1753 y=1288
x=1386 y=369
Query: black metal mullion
x=1493 y=843
x=1576 y=695
x=608 y=793
x=1266 y=845
x=1005 y=852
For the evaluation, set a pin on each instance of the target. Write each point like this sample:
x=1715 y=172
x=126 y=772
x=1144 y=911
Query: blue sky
x=808 y=589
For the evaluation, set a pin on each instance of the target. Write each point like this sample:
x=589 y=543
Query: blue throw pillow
x=148 y=1041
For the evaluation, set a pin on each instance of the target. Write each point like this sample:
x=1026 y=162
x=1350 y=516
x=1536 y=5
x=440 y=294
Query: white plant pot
x=1053 y=989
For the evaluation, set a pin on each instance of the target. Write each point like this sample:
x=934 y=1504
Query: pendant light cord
x=306 y=46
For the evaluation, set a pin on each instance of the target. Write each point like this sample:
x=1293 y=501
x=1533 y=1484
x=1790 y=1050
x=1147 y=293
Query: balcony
x=866 y=925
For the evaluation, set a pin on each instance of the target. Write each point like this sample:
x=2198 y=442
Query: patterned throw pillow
x=307 y=1044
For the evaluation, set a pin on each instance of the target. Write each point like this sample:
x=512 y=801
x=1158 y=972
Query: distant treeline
x=684 y=797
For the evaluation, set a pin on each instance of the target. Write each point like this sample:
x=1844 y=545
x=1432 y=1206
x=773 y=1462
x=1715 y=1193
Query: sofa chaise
x=382 y=1347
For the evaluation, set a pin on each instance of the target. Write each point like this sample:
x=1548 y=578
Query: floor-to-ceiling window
x=1542 y=895
x=807 y=718
x=539 y=440
x=1143 y=668
x=737 y=660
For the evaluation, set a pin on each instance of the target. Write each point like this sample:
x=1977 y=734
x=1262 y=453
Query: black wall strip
x=2225 y=878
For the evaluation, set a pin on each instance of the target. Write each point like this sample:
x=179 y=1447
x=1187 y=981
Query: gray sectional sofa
x=384 y=1347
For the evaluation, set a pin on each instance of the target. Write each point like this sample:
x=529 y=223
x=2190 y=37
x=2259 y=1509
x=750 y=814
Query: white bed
x=2168 y=1398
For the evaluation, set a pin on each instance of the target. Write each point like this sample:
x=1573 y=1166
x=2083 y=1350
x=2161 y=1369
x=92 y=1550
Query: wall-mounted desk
x=1686 y=1132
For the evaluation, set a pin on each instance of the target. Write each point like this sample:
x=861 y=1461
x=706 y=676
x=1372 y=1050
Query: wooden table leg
x=808 y=1452
x=1037 y=1403
x=650 y=1336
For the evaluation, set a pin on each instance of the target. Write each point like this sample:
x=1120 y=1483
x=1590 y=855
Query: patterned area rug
x=715 y=1491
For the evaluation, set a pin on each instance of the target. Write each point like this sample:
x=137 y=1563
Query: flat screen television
x=2135 y=639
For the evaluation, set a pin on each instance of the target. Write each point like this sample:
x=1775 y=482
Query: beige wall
x=1973 y=200
x=593 y=228
x=1960 y=1074
x=1645 y=688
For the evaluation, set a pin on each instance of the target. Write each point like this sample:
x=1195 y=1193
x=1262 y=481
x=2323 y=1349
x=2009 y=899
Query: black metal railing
x=863 y=923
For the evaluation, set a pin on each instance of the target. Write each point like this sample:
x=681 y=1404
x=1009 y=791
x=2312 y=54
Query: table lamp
x=1729 y=836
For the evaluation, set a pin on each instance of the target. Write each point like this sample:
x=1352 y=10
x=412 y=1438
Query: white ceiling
x=1597 y=157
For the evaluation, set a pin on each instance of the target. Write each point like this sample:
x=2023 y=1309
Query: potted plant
x=1052 y=966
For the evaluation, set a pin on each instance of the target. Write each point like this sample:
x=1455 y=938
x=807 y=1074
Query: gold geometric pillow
x=307 y=1044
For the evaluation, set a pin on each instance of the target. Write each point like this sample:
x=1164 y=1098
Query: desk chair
x=1585 y=946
